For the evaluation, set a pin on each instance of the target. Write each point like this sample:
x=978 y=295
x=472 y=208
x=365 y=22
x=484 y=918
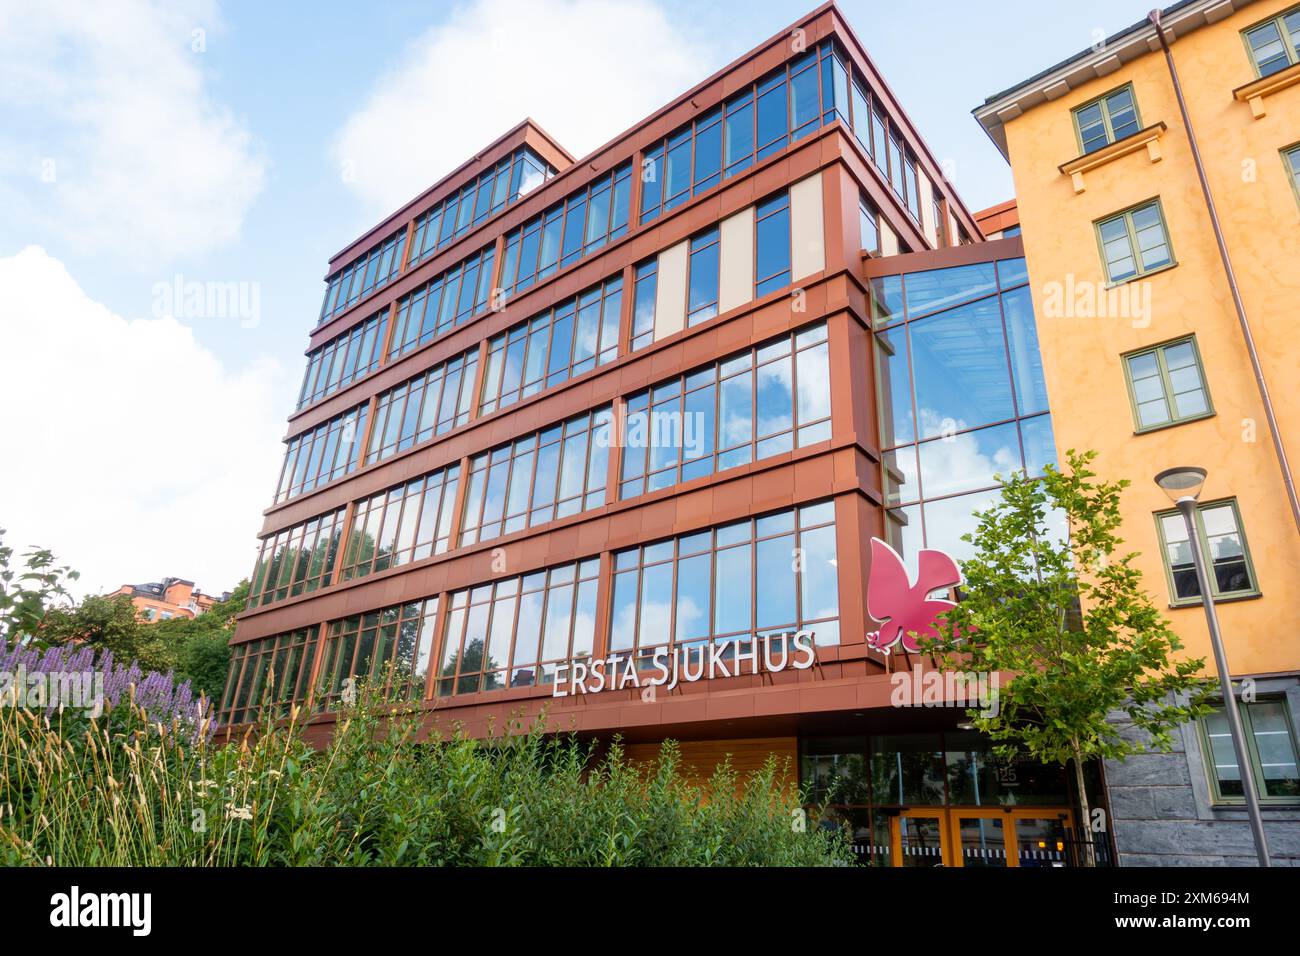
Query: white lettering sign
x=729 y=657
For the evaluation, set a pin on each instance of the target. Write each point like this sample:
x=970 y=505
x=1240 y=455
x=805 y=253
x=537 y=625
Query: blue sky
x=248 y=141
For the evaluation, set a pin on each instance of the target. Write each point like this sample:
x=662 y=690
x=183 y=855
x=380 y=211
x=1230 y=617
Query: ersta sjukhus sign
x=728 y=657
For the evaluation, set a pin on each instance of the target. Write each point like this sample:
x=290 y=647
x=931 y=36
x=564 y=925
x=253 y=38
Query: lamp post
x=1183 y=486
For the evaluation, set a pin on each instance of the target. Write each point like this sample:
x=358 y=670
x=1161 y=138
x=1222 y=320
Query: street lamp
x=1183 y=486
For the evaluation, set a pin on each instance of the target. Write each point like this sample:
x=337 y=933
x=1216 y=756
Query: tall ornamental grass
x=146 y=784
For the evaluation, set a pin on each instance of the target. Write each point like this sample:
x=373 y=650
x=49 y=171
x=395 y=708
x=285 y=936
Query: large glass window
x=1222 y=541
x=765 y=401
x=962 y=397
x=389 y=648
x=1106 y=119
x=1166 y=384
x=560 y=343
x=587 y=219
x=771 y=244
x=326 y=452
x=1134 y=242
x=442 y=303
x=430 y=404
x=366 y=274
x=407 y=523
x=297 y=560
x=1271 y=750
x=1275 y=44
x=702 y=286
x=343 y=359
x=550 y=474
x=643 y=304
x=514 y=176
x=758 y=577
x=869 y=225
x=513 y=633
x=273 y=671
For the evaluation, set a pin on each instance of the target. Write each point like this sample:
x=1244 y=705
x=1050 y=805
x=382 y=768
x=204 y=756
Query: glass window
x=344 y=359
x=687 y=591
x=366 y=274
x=584 y=222
x=430 y=404
x=406 y=523
x=1275 y=44
x=389 y=648
x=702 y=291
x=772 y=244
x=273 y=671
x=513 y=632
x=960 y=370
x=540 y=477
x=938 y=289
x=869 y=225
x=564 y=341
x=1107 y=119
x=1166 y=384
x=1271 y=749
x=297 y=560
x=643 y=306
x=1218 y=528
x=326 y=452
x=761 y=402
x=448 y=300
x=1134 y=242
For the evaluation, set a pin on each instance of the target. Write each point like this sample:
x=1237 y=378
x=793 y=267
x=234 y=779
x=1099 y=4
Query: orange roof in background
x=996 y=218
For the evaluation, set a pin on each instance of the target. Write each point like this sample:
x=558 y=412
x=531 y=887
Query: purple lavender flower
x=162 y=699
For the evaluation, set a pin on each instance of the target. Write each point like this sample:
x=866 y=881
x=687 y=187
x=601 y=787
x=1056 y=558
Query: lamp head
x=1184 y=481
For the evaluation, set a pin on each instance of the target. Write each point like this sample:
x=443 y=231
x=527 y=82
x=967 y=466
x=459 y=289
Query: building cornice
x=1104 y=58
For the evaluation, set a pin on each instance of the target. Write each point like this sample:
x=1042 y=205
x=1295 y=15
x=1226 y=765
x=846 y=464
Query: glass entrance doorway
x=981 y=837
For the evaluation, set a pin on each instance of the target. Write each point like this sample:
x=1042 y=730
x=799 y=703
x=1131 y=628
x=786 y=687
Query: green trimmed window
x=1274 y=44
x=1223 y=543
x=1167 y=384
x=1271 y=749
x=1107 y=119
x=1291 y=158
x=1134 y=242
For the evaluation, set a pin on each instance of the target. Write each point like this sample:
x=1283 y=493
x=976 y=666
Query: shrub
x=146 y=784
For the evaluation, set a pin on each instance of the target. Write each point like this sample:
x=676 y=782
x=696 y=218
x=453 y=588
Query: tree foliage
x=26 y=593
x=1071 y=621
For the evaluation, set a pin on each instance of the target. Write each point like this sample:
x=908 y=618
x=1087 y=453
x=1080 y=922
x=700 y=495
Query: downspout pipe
x=1287 y=480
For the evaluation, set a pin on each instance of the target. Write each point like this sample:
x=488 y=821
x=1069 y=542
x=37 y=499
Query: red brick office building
x=568 y=420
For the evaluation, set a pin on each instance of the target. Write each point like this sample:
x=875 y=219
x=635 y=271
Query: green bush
x=119 y=790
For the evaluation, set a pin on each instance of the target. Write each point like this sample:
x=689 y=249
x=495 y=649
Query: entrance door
x=988 y=837
x=1041 y=837
x=919 y=838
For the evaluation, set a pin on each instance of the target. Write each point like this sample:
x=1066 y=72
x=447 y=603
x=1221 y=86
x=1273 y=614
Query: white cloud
x=566 y=63
x=111 y=140
x=130 y=451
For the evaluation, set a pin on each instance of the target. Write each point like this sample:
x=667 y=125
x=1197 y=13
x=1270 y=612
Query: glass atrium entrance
x=942 y=799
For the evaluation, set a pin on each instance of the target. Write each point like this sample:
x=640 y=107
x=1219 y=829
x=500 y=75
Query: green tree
x=1069 y=619
x=202 y=645
x=26 y=594
x=110 y=622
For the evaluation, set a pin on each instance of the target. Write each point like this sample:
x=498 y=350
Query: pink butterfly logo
x=903 y=609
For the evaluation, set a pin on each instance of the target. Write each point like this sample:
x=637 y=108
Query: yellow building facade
x=1145 y=358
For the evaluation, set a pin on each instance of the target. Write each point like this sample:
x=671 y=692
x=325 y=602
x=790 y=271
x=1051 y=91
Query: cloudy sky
x=145 y=146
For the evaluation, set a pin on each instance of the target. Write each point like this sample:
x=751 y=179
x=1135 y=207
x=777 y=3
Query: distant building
x=173 y=597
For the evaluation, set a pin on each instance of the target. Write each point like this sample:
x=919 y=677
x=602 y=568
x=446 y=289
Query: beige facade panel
x=670 y=298
x=807 y=230
x=736 y=282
